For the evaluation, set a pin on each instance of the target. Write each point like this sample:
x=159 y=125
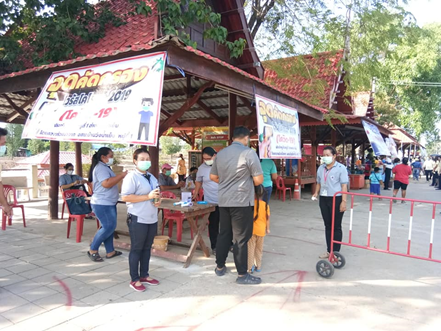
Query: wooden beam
x=209 y=111
x=166 y=113
x=173 y=77
x=18 y=109
x=53 y=179
x=190 y=124
x=333 y=137
x=14 y=115
x=186 y=106
x=154 y=155
x=207 y=69
x=232 y=114
x=247 y=104
x=78 y=159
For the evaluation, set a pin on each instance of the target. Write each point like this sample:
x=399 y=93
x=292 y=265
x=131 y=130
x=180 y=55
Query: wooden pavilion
x=202 y=87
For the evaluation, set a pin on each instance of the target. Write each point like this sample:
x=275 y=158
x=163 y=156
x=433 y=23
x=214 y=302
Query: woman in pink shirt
x=402 y=173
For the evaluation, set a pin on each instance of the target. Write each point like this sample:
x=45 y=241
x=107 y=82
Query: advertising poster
x=279 y=131
x=392 y=146
x=217 y=138
x=376 y=140
x=113 y=102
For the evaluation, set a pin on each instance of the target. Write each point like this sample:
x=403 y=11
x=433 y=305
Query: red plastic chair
x=171 y=216
x=7 y=190
x=78 y=218
x=281 y=188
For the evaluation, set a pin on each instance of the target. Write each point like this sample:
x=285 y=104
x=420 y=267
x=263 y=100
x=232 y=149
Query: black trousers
x=141 y=239
x=236 y=224
x=435 y=178
x=428 y=174
x=213 y=227
x=326 y=209
x=387 y=174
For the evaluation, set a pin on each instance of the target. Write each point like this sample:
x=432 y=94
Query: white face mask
x=327 y=159
x=110 y=162
x=70 y=172
x=2 y=150
x=209 y=162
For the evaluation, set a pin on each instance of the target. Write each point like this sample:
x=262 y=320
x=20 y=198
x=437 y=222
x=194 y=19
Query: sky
x=425 y=11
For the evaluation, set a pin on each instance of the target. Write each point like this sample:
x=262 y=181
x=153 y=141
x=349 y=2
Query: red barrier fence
x=325 y=268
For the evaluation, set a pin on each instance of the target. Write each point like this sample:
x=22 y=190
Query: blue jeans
x=416 y=174
x=107 y=218
x=268 y=191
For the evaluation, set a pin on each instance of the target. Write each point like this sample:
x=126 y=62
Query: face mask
x=110 y=162
x=146 y=108
x=327 y=159
x=209 y=162
x=70 y=172
x=168 y=173
x=144 y=165
x=2 y=150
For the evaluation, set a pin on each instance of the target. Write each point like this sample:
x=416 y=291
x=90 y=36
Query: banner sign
x=217 y=138
x=279 y=131
x=392 y=146
x=377 y=143
x=113 y=102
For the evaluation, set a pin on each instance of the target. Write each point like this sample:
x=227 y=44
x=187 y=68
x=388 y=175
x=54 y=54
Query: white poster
x=376 y=140
x=113 y=102
x=392 y=146
x=279 y=132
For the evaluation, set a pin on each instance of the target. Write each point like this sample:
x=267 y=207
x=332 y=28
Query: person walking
x=269 y=176
x=237 y=170
x=435 y=172
x=210 y=193
x=402 y=172
x=428 y=168
x=261 y=227
x=375 y=182
x=103 y=202
x=416 y=166
x=7 y=209
x=181 y=168
x=139 y=191
x=332 y=177
x=387 y=161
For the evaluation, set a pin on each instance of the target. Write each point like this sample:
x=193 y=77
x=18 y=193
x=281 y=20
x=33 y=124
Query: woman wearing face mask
x=332 y=177
x=69 y=181
x=210 y=193
x=103 y=202
x=139 y=191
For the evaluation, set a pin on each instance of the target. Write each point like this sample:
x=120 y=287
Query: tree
x=170 y=145
x=37 y=146
x=13 y=139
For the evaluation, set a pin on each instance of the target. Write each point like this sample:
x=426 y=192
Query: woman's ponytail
x=103 y=151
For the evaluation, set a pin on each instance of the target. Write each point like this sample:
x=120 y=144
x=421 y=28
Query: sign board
x=377 y=143
x=113 y=102
x=279 y=131
x=392 y=146
x=217 y=138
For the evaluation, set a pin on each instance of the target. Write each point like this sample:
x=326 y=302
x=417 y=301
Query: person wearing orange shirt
x=261 y=227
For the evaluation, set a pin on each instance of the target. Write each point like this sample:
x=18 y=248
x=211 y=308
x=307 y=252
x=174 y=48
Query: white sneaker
x=324 y=255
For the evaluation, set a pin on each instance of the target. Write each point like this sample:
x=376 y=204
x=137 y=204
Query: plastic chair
x=7 y=190
x=281 y=188
x=171 y=216
x=200 y=195
x=78 y=218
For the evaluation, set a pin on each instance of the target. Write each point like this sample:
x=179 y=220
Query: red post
x=53 y=180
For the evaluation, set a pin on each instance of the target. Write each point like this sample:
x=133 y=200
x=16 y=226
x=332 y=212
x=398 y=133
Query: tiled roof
x=310 y=77
x=44 y=158
x=403 y=136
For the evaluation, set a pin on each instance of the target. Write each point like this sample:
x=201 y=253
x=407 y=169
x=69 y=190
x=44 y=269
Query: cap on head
x=166 y=166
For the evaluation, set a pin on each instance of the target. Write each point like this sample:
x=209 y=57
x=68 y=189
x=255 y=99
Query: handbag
x=78 y=205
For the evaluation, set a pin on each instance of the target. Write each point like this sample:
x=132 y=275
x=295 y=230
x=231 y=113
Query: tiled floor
x=48 y=283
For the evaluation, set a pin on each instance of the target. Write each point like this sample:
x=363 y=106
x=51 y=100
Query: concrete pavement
x=48 y=283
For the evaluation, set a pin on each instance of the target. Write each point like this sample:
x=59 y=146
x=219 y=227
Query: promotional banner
x=376 y=140
x=392 y=146
x=113 y=102
x=279 y=132
x=217 y=138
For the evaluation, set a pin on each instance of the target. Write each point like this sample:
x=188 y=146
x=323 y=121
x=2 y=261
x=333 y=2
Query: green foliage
x=169 y=145
x=176 y=16
x=13 y=139
x=37 y=146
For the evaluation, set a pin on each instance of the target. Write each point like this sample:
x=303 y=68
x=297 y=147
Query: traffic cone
x=297 y=190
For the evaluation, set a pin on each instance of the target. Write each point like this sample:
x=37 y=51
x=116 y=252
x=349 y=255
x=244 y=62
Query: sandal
x=117 y=253
x=95 y=257
x=248 y=280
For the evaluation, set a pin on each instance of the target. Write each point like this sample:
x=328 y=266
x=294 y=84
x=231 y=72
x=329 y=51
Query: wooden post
x=78 y=159
x=353 y=155
x=154 y=157
x=314 y=144
x=363 y=157
x=54 y=174
x=34 y=177
x=333 y=137
x=232 y=112
x=193 y=139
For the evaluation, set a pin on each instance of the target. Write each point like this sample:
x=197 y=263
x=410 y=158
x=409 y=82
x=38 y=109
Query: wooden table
x=202 y=212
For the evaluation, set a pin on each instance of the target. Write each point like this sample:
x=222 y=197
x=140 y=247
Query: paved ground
x=39 y=267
